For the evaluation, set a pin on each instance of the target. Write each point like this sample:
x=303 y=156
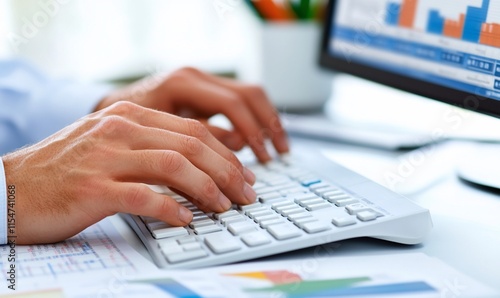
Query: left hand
x=194 y=94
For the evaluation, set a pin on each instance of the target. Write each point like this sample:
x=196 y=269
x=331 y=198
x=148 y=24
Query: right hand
x=100 y=166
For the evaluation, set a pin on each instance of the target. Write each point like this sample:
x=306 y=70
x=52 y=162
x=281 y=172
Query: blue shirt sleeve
x=32 y=107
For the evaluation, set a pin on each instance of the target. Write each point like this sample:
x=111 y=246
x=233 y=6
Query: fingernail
x=249 y=193
x=185 y=215
x=249 y=176
x=224 y=202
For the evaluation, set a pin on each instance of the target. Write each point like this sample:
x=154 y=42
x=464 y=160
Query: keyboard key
x=315 y=227
x=265 y=198
x=319 y=206
x=309 y=202
x=251 y=206
x=321 y=185
x=148 y=220
x=293 y=190
x=325 y=190
x=267 y=223
x=343 y=221
x=239 y=228
x=289 y=211
x=285 y=207
x=156 y=225
x=191 y=246
x=222 y=243
x=336 y=198
x=299 y=198
x=356 y=208
x=250 y=211
x=366 y=215
x=310 y=181
x=258 y=219
x=255 y=239
x=284 y=231
x=200 y=218
x=301 y=221
x=169 y=232
x=173 y=248
x=333 y=193
x=201 y=223
x=282 y=204
x=166 y=242
x=345 y=202
x=296 y=216
x=266 y=212
x=186 y=256
x=226 y=214
x=188 y=239
x=258 y=185
x=207 y=229
x=228 y=220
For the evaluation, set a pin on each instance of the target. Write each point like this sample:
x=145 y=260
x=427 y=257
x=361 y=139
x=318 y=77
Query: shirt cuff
x=3 y=205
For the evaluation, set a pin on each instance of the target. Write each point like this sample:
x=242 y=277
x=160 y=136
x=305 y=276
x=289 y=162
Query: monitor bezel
x=447 y=95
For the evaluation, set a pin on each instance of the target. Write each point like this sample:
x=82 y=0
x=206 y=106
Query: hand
x=100 y=166
x=194 y=94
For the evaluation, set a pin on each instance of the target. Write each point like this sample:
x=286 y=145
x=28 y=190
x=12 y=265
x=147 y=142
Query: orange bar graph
x=454 y=28
x=407 y=16
x=490 y=35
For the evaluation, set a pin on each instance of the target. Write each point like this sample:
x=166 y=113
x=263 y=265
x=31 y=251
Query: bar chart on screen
x=476 y=21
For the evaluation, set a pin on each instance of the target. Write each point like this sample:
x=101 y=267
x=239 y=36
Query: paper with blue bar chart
x=397 y=276
x=455 y=43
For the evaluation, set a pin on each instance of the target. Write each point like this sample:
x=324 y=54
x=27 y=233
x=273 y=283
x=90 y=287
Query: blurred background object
x=103 y=40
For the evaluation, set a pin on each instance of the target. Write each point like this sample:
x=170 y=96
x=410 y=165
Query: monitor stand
x=482 y=166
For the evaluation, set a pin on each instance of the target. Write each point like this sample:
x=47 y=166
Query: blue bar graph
x=436 y=22
x=392 y=16
x=474 y=19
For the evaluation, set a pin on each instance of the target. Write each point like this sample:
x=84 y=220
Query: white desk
x=466 y=232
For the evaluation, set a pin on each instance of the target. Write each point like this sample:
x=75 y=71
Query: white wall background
x=109 y=39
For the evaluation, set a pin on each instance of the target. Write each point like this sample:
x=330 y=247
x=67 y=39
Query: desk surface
x=466 y=232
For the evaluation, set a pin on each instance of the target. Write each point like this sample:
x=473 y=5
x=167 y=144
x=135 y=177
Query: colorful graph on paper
x=290 y=284
x=92 y=251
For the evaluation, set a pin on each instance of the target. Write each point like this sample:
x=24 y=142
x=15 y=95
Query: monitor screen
x=447 y=50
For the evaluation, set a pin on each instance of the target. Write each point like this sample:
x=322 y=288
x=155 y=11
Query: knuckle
x=109 y=125
x=136 y=197
x=236 y=102
x=196 y=129
x=187 y=71
x=183 y=74
x=172 y=162
x=210 y=189
x=123 y=108
x=234 y=176
x=165 y=207
x=192 y=146
x=255 y=92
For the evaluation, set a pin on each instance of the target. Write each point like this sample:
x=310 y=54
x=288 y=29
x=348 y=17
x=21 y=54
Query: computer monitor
x=446 y=50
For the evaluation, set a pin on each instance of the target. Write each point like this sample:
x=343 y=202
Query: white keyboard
x=296 y=208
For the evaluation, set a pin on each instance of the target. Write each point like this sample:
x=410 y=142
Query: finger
x=227 y=177
x=232 y=105
x=261 y=107
x=139 y=199
x=230 y=139
x=172 y=169
x=169 y=122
